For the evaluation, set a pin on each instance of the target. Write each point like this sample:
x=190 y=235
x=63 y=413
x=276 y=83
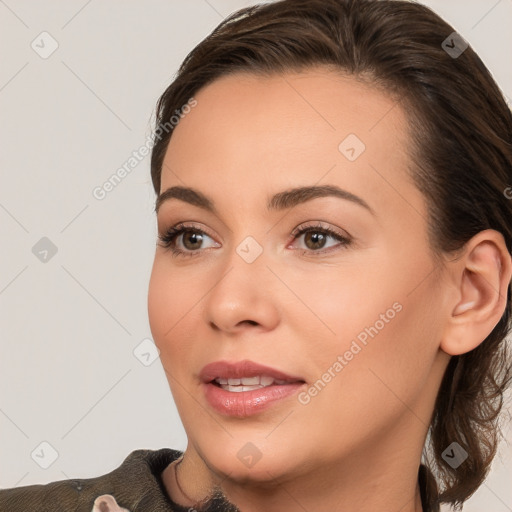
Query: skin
x=357 y=444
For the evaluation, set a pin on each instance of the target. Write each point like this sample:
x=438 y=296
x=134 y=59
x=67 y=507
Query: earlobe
x=482 y=275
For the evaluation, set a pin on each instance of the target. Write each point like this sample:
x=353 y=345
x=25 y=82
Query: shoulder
x=134 y=486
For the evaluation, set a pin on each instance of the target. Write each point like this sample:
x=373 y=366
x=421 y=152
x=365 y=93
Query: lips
x=245 y=388
x=242 y=369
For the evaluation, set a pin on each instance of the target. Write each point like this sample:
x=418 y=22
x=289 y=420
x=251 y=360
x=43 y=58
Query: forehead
x=317 y=94
x=268 y=133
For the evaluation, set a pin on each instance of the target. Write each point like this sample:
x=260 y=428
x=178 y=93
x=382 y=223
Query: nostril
x=251 y=322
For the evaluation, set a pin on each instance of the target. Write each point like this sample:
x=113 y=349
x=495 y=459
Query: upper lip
x=245 y=368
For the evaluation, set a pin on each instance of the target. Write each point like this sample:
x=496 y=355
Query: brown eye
x=185 y=240
x=314 y=240
x=316 y=237
x=192 y=239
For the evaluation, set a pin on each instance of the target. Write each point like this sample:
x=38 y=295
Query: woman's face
x=352 y=319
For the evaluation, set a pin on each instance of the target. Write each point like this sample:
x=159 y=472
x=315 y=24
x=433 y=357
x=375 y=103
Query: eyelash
x=168 y=239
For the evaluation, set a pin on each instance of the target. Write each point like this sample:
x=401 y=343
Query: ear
x=482 y=276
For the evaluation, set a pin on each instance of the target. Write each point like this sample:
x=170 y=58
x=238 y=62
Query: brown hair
x=461 y=132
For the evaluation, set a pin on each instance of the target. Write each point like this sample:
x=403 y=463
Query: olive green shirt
x=135 y=486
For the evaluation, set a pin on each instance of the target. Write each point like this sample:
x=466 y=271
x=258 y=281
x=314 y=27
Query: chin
x=256 y=461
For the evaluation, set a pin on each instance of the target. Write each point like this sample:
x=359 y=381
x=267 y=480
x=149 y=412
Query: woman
x=330 y=293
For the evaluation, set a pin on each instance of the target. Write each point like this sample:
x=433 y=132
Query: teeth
x=238 y=389
x=266 y=381
x=250 y=381
x=247 y=383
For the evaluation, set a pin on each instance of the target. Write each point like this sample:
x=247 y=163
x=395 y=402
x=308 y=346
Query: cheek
x=380 y=331
x=343 y=302
x=174 y=312
x=386 y=358
x=159 y=303
x=169 y=300
x=167 y=308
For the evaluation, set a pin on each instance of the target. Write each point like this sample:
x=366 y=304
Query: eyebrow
x=280 y=201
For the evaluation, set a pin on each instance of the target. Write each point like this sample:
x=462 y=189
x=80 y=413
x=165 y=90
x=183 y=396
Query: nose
x=245 y=296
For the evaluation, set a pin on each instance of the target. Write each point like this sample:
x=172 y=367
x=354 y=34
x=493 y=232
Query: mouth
x=246 y=388
x=248 y=383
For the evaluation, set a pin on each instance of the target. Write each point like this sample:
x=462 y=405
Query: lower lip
x=246 y=403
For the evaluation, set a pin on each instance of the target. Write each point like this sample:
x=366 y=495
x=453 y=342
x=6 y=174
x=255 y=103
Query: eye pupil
x=316 y=237
x=196 y=239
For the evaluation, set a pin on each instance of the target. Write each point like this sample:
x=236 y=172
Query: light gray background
x=69 y=326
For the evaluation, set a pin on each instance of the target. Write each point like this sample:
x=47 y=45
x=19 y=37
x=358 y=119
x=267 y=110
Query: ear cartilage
x=464 y=307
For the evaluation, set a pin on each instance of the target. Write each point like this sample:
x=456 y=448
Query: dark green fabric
x=135 y=484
